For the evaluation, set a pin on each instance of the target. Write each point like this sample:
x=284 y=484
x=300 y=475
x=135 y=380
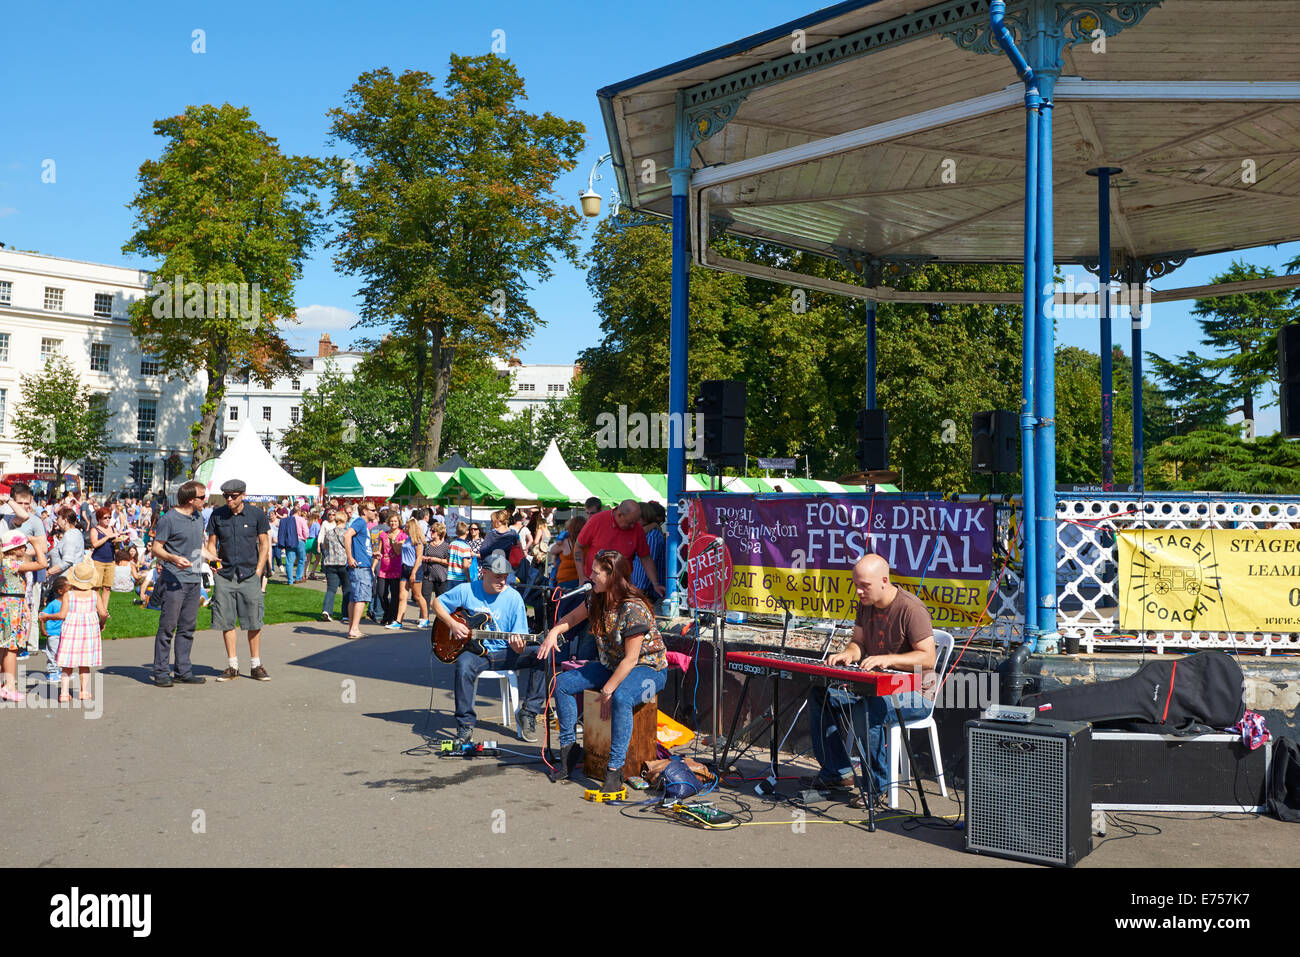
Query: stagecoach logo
x=1174 y=578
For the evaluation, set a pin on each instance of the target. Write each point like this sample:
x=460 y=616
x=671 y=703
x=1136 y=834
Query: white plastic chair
x=943 y=650
x=509 y=693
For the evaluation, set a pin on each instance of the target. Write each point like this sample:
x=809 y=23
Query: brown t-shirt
x=896 y=630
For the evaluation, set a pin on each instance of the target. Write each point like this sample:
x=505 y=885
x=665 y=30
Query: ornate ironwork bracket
x=709 y=118
x=1045 y=29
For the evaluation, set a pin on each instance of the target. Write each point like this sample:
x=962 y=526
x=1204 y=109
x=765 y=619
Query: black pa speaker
x=873 y=440
x=1288 y=373
x=993 y=442
x=1029 y=790
x=721 y=404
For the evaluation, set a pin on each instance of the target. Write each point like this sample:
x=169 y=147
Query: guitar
x=447 y=647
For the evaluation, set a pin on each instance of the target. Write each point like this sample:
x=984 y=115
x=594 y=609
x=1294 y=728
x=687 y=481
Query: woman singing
x=632 y=664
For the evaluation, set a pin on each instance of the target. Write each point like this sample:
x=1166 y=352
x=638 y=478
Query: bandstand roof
x=842 y=148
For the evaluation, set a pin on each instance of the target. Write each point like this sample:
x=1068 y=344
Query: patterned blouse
x=632 y=616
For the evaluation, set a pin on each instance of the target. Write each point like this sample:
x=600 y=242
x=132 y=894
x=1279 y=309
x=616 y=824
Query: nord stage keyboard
x=776 y=665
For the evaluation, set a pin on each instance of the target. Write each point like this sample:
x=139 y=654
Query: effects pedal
x=601 y=797
x=703 y=811
x=638 y=784
x=1009 y=712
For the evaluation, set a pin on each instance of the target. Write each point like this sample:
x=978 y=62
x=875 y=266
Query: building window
x=103 y=305
x=4 y=394
x=527 y=387
x=43 y=463
x=4 y=347
x=148 y=365
x=51 y=348
x=295 y=384
x=555 y=388
x=234 y=413
x=92 y=476
x=99 y=357
x=146 y=422
x=53 y=299
x=6 y=292
x=293 y=415
x=266 y=413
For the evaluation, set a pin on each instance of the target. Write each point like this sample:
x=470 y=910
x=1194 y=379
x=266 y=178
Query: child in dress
x=15 y=612
x=80 y=642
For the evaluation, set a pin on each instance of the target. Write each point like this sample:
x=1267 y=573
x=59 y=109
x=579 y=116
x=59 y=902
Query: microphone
x=577 y=591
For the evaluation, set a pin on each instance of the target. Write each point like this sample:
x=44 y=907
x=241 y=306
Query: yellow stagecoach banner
x=1212 y=579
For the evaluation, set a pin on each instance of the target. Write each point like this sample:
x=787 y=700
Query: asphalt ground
x=316 y=768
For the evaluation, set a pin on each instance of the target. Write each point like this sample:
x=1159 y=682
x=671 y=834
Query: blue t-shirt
x=506 y=609
x=53 y=626
x=361 y=552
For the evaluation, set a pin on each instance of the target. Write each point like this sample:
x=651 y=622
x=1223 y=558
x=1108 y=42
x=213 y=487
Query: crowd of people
x=389 y=565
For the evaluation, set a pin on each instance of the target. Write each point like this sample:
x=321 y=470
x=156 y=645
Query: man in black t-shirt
x=240 y=535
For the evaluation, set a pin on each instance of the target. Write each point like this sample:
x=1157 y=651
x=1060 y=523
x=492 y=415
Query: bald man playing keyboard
x=892 y=631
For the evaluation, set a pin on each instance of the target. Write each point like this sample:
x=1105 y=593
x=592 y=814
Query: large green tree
x=230 y=219
x=59 y=417
x=448 y=215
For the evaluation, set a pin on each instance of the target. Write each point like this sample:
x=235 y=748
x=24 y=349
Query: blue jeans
x=51 y=652
x=291 y=557
x=469 y=666
x=641 y=683
x=336 y=579
x=825 y=709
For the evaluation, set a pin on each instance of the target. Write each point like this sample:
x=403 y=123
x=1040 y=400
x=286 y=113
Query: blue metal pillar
x=1029 y=356
x=677 y=342
x=1045 y=61
x=1103 y=174
x=1136 y=299
x=871 y=354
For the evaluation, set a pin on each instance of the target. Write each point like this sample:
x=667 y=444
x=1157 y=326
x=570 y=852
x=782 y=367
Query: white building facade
x=272 y=411
x=534 y=385
x=49 y=306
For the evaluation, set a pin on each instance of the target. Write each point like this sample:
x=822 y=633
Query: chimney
x=324 y=347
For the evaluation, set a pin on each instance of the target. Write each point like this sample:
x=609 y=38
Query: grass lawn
x=282 y=604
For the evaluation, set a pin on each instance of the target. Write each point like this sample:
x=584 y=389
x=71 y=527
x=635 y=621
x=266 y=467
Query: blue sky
x=82 y=83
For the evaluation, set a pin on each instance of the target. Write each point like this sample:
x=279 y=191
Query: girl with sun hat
x=80 y=641
x=15 y=612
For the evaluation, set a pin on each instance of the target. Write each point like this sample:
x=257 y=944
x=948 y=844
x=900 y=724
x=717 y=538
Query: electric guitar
x=447 y=647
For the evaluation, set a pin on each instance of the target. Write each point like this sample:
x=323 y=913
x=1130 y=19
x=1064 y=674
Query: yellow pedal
x=592 y=794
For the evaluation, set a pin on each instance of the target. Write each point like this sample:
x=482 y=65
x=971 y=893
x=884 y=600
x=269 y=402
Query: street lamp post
x=591 y=199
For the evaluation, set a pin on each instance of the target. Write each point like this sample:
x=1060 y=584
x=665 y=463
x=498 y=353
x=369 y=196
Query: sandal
x=881 y=802
x=65 y=697
x=86 y=697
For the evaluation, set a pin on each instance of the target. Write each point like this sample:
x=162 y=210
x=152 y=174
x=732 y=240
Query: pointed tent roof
x=452 y=464
x=558 y=474
x=246 y=458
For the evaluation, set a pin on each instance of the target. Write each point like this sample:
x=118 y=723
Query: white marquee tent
x=247 y=458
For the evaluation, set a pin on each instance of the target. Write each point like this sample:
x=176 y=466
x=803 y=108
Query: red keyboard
x=765 y=664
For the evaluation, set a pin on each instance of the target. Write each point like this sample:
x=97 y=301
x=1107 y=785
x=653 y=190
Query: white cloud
x=325 y=318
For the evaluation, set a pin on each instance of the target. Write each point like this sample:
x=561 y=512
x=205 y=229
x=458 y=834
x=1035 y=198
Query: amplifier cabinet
x=1028 y=790
x=1165 y=772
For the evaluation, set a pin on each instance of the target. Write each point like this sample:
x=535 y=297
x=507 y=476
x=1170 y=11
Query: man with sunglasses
x=240 y=536
x=179 y=549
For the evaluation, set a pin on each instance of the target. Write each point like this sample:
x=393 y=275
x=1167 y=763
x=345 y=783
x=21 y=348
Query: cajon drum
x=595 y=737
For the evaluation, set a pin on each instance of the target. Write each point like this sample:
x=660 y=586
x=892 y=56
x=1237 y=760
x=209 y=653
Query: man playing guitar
x=492 y=595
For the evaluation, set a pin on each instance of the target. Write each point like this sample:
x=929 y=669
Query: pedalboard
x=702 y=811
x=602 y=797
x=447 y=748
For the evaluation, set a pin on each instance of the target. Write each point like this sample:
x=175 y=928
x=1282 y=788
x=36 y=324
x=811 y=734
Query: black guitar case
x=1191 y=695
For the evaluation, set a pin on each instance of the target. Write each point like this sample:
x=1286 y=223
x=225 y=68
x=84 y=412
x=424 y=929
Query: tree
x=1243 y=329
x=1219 y=459
x=59 y=418
x=231 y=218
x=449 y=215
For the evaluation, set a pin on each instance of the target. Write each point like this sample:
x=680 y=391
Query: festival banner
x=802 y=550
x=1211 y=579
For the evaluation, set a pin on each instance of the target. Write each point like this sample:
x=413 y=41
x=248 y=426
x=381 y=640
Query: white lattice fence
x=1087 y=569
